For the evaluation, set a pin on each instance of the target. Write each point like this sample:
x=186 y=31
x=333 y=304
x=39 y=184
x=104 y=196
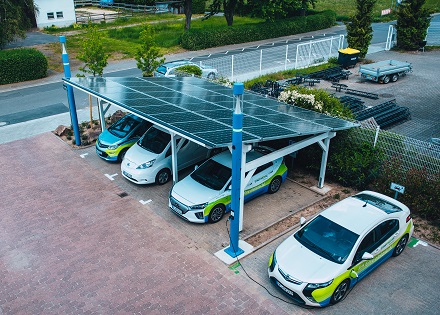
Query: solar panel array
x=202 y=110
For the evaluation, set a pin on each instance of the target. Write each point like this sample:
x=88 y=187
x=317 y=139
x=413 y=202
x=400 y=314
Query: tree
x=187 y=9
x=16 y=17
x=359 y=30
x=412 y=24
x=228 y=8
x=94 y=57
x=148 y=55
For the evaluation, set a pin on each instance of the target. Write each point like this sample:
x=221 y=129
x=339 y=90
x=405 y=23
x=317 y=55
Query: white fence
x=432 y=36
x=248 y=65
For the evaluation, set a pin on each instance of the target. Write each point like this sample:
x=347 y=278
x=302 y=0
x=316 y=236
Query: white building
x=55 y=12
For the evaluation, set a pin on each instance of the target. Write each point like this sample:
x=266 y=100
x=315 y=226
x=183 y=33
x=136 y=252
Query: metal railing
x=248 y=65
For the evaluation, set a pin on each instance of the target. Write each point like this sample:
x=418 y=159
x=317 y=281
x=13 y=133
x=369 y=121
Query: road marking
x=83 y=155
x=145 y=202
x=3 y=123
x=110 y=176
x=414 y=242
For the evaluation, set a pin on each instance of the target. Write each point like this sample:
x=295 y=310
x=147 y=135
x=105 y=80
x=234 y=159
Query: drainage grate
x=123 y=194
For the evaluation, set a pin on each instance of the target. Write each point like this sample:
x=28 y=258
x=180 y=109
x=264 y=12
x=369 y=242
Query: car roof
x=225 y=158
x=357 y=215
x=177 y=63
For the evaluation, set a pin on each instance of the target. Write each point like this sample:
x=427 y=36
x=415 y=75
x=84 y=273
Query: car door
x=256 y=183
x=378 y=243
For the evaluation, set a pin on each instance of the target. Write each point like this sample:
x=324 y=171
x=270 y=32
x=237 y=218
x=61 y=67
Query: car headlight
x=319 y=285
x=146 y=165
x=113 y=147
x=272 y=261
x=198 y=207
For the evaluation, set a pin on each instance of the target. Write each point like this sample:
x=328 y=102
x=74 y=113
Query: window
x=60 y=15
x=50 y=16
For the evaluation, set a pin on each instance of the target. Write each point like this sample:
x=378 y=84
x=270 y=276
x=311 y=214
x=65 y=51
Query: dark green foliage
x=18 y=65
x=196 y=39
x=198 y=6
x=422 y=190
x=189 y=69
x=412 y=24
x=353 y=163
x=359 y=30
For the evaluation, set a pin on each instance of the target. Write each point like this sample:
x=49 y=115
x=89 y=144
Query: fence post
x=261 y=59
x=331 y=46
x=285 y=61
x=376 y=136
x=232 y=68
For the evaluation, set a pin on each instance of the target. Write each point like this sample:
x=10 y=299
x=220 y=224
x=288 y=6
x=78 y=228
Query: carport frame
x=322 y=138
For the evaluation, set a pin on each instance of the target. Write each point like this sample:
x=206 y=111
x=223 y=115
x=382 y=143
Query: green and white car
x=205 y=194
x=328 y=255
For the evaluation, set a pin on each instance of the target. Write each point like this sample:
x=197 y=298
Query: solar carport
x=201 y=111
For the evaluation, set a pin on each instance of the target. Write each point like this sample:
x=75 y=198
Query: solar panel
x=202 y=110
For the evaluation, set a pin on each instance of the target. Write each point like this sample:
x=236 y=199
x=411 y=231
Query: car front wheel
x=163 y=176
x=340 y=292
x=275 y=185
x=216 y=213
x=122 y=154
x=400 y=246
x=211 y=76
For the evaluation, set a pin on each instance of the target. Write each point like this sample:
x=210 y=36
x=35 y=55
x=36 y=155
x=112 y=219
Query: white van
x=149 y=160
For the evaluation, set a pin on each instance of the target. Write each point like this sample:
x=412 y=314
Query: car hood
x=107 y=138
x=303 y=264
x=137 y=155
x=190 y=192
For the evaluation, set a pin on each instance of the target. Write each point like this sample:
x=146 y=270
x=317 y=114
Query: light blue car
x=113 y=143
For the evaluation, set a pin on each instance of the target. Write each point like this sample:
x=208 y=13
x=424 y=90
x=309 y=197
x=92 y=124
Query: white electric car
x=149 y=160
x=205 y=194
x=328 y=255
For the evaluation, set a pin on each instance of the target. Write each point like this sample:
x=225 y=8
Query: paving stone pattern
x=69 y=244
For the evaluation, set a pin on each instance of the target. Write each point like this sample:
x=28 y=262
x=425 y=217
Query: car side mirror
x=196 y=167
x=302 y=221
x=353 y=274
x=367 y=256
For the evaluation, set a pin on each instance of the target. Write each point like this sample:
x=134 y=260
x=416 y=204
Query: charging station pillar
x=237 y=151
x=70 y=95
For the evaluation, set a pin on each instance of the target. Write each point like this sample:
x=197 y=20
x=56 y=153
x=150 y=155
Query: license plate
x=127 y=174
x=176 y=210
x=288 y=291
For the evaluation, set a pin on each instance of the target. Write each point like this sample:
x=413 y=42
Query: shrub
x=196 y=39
x=189 y=69
x=198 y=6
x=18 y=65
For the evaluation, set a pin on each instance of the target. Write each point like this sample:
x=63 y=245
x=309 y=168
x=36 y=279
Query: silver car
x=168 y=69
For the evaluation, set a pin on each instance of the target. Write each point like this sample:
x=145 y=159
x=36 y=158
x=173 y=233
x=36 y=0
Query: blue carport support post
x=70 y=96
x=237 y=149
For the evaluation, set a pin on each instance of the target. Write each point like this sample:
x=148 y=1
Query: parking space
x=402 y=285
x=258 y=213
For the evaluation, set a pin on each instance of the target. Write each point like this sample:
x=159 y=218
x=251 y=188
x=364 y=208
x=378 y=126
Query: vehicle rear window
x=381 y=204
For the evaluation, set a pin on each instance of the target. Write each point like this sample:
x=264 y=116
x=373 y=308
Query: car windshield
x=212 y=174
x=327 y=239
x=123 y=126
x=383 y=205
x=162 y=69
x=154 y=140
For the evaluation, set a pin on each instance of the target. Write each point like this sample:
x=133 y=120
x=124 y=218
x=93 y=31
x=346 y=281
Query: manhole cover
x=386 y=95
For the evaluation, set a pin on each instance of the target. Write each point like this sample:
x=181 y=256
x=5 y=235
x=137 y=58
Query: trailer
x=385 y=71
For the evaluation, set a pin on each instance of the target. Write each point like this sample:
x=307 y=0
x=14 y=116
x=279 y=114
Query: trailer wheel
x=386 y=79
x=394 y=78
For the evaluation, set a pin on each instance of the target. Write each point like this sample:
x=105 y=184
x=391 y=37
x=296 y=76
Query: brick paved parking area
x=71 y=243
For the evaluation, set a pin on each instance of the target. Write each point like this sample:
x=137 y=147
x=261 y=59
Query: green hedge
x=18 y=65
x=198 y=6
x=196 y=39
